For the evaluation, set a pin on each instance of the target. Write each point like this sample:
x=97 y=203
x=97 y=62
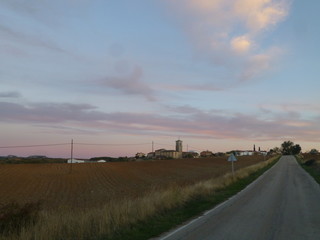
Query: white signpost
x=232 y=158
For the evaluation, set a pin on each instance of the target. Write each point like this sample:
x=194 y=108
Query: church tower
x=179 y=146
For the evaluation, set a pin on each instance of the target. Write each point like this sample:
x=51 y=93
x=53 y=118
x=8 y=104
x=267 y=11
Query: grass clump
x=14 y=217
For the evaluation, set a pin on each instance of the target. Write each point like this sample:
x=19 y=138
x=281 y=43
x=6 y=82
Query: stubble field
x=92 y=184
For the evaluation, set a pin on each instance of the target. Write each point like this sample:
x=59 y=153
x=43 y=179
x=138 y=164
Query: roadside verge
x=311 y=166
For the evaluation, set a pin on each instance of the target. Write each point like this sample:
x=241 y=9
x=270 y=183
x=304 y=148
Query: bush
x=310 y=162
x=314 y=151
x=14 y=217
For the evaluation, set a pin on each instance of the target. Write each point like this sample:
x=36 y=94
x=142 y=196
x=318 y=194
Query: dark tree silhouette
x=314 y=151
x=288 y=148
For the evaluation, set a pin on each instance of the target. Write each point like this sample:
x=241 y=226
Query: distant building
x=245 y=153
x=179 y=146
x=140 y=155
x=75 y=161
x=151 y=155
x=163 y=153
x=206 y=154
x=264 y=153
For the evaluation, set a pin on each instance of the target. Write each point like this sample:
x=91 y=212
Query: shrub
x=310 y=162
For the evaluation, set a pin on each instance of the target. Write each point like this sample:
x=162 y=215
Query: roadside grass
x=311 y=166
x=14 y=217
x=139 y=218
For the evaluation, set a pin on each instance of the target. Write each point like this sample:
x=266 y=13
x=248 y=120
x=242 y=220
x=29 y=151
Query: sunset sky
x=115 y=75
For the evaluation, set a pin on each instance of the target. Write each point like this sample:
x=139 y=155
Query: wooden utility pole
x=71 y=155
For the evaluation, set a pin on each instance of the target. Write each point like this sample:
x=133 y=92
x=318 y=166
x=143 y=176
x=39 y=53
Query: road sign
x=232 y=158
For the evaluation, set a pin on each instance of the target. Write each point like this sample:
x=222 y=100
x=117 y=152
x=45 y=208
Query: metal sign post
x=232 y=158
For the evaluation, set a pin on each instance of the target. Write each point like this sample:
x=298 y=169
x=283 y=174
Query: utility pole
x=71 y=155
x=152 y=146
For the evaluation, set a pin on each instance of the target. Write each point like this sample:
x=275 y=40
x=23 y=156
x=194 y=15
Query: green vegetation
x=311 y=165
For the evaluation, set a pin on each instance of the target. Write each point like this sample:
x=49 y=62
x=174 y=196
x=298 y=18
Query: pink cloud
x=131 y=84
x=228 y=33
x=261 y=14
x=175 y=121
x=47 y=112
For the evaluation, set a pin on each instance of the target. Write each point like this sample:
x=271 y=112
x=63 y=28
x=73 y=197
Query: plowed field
x=92 y=184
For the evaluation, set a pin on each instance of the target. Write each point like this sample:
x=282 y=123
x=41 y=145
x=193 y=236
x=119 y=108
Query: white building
x=244 y=153
x=75 y=161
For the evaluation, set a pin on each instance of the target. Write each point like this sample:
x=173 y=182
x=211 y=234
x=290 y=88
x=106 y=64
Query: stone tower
x=179 y=146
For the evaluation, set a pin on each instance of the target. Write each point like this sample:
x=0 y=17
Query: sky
x=117 y=75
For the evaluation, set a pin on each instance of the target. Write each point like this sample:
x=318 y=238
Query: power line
x=89 y=144
x=112 y=144
x=41 y=145
x=64 y=144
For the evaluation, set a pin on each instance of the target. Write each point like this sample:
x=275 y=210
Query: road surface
x=283 y=204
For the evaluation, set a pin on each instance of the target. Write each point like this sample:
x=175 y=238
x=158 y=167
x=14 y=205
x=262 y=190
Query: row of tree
x=289 y=148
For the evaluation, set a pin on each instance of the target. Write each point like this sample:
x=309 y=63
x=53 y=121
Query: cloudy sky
x=115 y=75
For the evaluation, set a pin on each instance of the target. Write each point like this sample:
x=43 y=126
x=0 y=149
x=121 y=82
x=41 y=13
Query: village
x=158 y=154
x=177 y=153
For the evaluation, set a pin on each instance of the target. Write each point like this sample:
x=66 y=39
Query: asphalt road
x=283 y=204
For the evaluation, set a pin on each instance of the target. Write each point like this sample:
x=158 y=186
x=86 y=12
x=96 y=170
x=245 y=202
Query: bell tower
x=179 y=146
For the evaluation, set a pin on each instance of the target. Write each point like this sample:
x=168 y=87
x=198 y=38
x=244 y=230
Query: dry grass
x=65 y=223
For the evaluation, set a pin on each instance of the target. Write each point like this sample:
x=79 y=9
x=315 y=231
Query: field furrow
x=92 y=184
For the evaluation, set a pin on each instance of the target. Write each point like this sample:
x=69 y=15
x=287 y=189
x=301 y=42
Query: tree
x=314 y=151
x=296 y=149
x=288 y=148
x=276 y=150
